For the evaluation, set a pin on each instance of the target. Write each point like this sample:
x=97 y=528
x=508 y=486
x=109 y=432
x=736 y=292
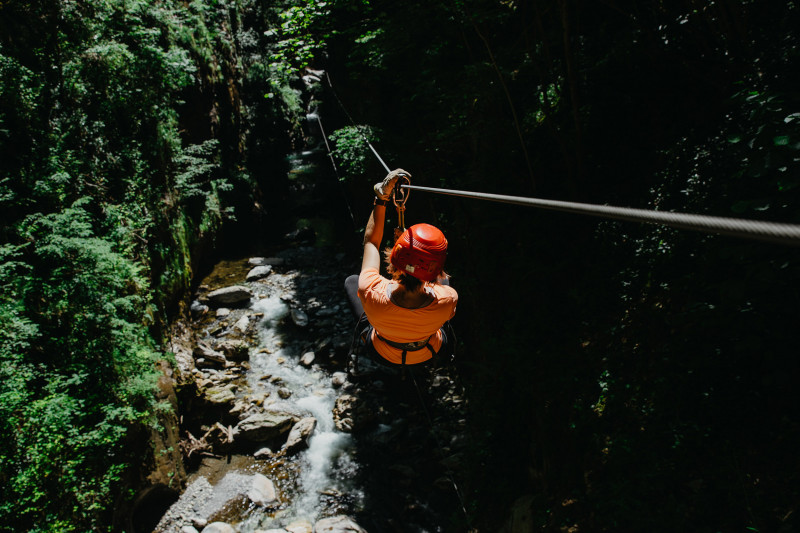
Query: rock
x=234 y=350
x=262 y=491
x=284 y=393
x=308 y=359
x=219 y=527
x=350 y=414
x=300 y=526
x=263 y=453
x=264 y=261
x=199 y=523
x=338 y=379
x=198 y=309
x=219 y=395
x=338 y=524
x=298 y=436
x=259 y=272
x=264 y=426
x=202 y=351
x=234 y=295
x=299 y=318
x=189 y=529
x=222 y=312
x=242 y=324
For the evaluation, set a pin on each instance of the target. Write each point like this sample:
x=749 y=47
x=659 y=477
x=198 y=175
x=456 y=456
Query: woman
x=406 y=312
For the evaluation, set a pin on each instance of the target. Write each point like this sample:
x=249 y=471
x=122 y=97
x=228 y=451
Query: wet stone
x=259 y=272
x=307 y=359
x=299 y=317
x=234 y=295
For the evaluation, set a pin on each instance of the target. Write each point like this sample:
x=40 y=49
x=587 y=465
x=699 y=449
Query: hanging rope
x=353 y=122
x=737 y=227
x=336 y=173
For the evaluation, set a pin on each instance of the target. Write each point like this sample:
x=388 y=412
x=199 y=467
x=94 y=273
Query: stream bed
x=383 y=449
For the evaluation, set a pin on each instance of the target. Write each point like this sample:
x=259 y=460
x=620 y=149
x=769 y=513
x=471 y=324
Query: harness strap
x=406 y=346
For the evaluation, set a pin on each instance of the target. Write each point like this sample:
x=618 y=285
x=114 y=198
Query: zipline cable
x=336 y=172
x=776 y=232
x=353 y=122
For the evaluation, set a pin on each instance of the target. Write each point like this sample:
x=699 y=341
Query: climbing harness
x=361 y=345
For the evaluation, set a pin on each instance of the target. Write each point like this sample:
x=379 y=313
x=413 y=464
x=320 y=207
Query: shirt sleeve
x=369 y=281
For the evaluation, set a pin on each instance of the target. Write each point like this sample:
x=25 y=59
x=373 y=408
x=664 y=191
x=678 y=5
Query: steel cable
x=752 y=229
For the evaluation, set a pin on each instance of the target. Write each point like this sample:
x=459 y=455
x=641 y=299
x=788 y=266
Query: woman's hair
x=409 y=282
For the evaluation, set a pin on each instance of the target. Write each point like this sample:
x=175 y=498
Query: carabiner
x=400 y=198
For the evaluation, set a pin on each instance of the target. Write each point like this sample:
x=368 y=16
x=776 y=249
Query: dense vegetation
x=123 y=146
x=622 y=377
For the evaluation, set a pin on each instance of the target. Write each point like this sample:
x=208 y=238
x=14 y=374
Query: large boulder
x=264 y=426
x=234 y=295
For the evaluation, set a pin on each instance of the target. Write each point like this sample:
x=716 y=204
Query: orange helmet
x=420 y=251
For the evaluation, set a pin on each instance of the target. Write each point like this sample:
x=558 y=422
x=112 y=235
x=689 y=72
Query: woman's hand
x=383 y=190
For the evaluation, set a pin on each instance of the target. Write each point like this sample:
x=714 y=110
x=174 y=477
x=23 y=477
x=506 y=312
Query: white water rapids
x=326 y=467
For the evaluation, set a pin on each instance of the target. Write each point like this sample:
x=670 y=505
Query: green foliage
x=78 y=378
x=121 y=136
x=351 y=149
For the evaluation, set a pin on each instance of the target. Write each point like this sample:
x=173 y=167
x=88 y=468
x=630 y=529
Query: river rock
x=262 y=491
x=189 y=529
x=202 y=351
x=284 y=393
x=298 y=436
x=338 y=524
x=264 y=426
x=264 y=261
x=222 y=312
x=350 y=414
x=242 y=324
x=219 y=395
x=263 y=453
x=234 y=350
x=259 y=272
x=338 y=379
x=300 y=526
x=308 y=359
x=219 y=527
x=299 y=317
x=234 y=295
x=198 y=309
